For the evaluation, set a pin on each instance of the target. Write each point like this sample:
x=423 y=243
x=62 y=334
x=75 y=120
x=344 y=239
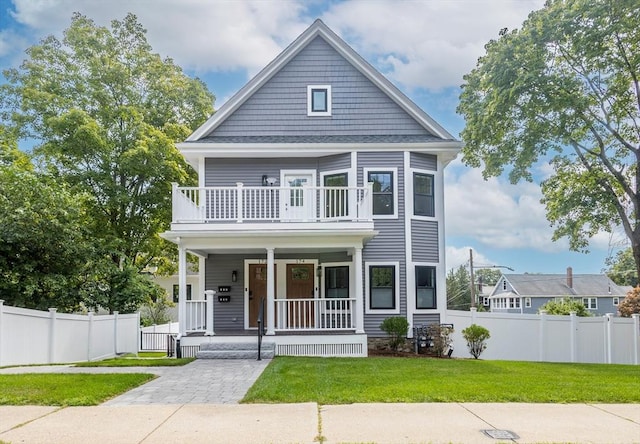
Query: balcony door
x=299 y=202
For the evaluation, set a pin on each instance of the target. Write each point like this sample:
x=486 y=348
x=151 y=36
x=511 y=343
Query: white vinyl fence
x=542 y=337
x=46 y=337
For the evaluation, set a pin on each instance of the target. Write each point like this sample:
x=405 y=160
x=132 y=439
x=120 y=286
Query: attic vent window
x=319 y=100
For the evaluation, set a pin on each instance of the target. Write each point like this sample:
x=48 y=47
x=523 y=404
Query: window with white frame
x=385 y=198
x=485 y=301
x=590 y=303
x=504 y=284
x=176 y=292
x=425 y=287
x=527 y=302
x=616 y=301
x=382 y=281
x=319 y=100
x=423 y=196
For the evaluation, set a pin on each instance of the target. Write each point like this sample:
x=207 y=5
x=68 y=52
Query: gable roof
x=555 y=285
x=319 y=29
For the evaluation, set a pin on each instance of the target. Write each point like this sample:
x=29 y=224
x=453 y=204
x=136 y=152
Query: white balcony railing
x=315 y=314
x=264 y=204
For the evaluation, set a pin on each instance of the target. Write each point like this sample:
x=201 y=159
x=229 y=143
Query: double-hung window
x=423 y=196
x=383 y=192
x=382 y=288
x=425 y=287
x=590 y=303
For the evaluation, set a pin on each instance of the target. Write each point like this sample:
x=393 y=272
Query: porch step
x=236 y=350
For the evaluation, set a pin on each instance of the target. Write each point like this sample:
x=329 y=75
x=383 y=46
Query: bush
x=630 y=304
x=476 y=335
x=396 y=327
x=565 y=307
x=440 y=337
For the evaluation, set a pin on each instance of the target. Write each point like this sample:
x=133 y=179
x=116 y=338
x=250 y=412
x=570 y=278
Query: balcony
x=240 y=204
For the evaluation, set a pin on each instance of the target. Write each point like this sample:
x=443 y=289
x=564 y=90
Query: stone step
x=234 y=354
x=243 y=346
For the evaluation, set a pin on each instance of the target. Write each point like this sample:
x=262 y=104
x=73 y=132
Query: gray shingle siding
x=423 y=161
x=279 y=107
x=424 y=236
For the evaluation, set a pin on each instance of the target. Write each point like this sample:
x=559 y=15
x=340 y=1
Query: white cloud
x=457 y=256
x=496 y=213
x=427 y=44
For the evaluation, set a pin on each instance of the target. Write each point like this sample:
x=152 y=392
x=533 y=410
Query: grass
x=144 y=359
x=66 y=389
x=385 y=379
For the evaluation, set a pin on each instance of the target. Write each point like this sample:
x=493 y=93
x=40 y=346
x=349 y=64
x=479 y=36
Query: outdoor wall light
x=234 y=276
x=268 y=181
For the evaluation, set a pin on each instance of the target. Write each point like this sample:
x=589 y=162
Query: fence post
x=89 y=335
x=473 y=310
x=52 y=334
x=543 y=335
x=608 y=338
x=1 y=342
x=573 y=335
x=115 y=332
x=636 y=334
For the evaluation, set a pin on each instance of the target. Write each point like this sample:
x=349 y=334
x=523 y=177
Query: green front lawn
x=385 y=379
x=137 y=361
x=66 y=389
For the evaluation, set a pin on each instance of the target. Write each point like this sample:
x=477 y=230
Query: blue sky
x=423 y=46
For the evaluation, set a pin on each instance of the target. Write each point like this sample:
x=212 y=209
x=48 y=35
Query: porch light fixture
x=234 y=276
x=268 y=181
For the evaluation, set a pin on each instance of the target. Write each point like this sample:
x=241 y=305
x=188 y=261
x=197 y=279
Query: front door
x=257 y=292
x=299 y=202
x=300 y=286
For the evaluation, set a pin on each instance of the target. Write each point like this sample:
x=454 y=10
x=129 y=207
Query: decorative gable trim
x=318 y=28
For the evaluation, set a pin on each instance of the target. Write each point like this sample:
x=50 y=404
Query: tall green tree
x=44 y=251
x=565 y=87
x=622 y=268
x=458 y=289
x=107 y=111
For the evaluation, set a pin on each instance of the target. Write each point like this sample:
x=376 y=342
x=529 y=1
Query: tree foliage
x=107 y=111
x=44 y=250
x=630 y=304
x=458 y=289
x=622 y=268
x=565 y=307
x=565 y=87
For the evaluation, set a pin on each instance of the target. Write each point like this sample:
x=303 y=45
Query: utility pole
x=473 y=285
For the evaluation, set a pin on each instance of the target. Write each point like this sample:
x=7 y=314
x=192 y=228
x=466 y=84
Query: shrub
x=440 y=337
x=476 y=335
x=630 y=304
x=565 y=307
x=396 y=327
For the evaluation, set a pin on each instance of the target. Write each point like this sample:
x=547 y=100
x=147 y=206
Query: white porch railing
x=196 y=316
x=265 y=204
x=315 y=314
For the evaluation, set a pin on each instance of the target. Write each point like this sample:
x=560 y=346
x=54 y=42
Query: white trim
x=310 y=111
x=616 y=301
x=396 y=289
x=439 y=284
x=527 y=302
x=284 y=198
x=441 y=272
x=394 y=170
x=408 y=248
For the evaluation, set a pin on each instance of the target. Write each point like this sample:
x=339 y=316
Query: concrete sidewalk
x=308 y=423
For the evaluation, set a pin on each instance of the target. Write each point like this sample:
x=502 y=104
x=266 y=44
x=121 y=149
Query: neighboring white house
x=321 y=197
x=526 y=293
x=170 y=285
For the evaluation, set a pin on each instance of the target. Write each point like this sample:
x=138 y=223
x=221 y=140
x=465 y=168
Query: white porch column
x=357 y=266
x=182 y=289
x=208 y=295
x=271 y=292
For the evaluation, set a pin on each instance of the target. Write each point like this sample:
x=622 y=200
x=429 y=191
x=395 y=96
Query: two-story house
x=527 y=293
x=319 y=209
